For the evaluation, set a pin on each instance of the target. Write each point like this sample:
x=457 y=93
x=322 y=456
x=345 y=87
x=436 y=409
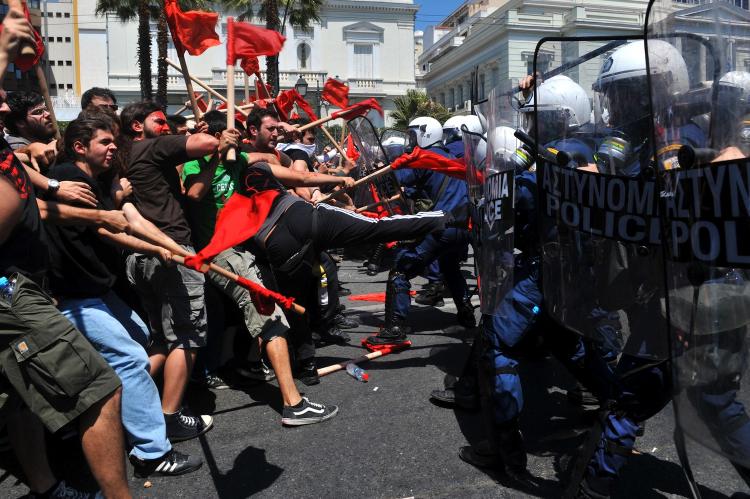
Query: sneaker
x=451 y=398
x=182 y=426
x=307 y=413
x=308 y=374
x=344 y=322
x=215 y=382
x=63 y=490
x=257 y=370
x=172 y=463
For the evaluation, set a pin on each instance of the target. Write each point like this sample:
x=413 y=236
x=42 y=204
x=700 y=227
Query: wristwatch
x=52 y=186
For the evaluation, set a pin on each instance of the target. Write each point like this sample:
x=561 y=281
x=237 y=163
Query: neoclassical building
x=367 y=44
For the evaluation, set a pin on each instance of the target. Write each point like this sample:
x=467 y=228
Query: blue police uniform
x=456 y=148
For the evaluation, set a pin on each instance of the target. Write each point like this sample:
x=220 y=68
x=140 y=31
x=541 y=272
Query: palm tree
x=300 y=13
x=414 y=104
x=162 y=42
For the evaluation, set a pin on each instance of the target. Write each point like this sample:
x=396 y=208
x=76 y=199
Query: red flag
x=263 y=298
x=202 y=105
x=245 y=40
x=294 y=116
x=260 y=92
x=427 y=160
x=238 y=221
x=250 y=65
x=359 y=109
x=303 y=104
x=336 y=93
x=285 y=102
x=351 y=150
x=193 y=31
x=26 y=62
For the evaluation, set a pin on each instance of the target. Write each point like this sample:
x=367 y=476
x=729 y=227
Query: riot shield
x=394 y=143
x=602 y=261
x=384 y=192
x=705 y=207
x=491 y=181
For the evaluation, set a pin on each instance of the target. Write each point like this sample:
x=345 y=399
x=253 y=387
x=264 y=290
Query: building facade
x=368 y=45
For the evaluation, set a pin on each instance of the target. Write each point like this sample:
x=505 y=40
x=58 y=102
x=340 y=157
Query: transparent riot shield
x=699 y=90
x=602 y=269
x=394 y=142
x=384 y=192
x=491 y=182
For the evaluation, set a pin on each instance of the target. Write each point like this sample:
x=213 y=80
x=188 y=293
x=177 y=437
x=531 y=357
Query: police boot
x=373 y=263
x=463 y=394
x=431 y=294
x=393 y=331
x=465 y=314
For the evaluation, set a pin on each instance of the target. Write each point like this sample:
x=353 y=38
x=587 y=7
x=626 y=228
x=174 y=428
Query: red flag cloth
x=260 y=91
x=421 y=159
x=336 y=93
x=351 y=150
x=238 y=221
x=202 y=105
x=358 y=109
x=245 y=40
x=193 y=31
x=250 y=65
x=294 y=116
x=374 y=296
x=26 y=62
x=263 y=298
x=304 y=105
x=285 y=102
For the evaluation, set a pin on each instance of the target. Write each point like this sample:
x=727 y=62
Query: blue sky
x=434 y=11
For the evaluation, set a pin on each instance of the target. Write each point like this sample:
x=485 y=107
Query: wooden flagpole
x=208 y=88
x=231 y=153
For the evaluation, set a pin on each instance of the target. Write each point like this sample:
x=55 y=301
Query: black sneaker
x=182 y=426
x=308 y=374
x=344 y=322
x=63 y=490
x=257 y=370
x=172 y=463
x=307 y=413
x=215 y=382
x=465 y=315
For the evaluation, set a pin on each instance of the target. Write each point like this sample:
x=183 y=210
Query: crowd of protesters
x=95 y=311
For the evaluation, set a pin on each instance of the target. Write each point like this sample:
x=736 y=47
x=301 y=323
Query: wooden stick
x=333 y=141
x=181 y=110
x=188 y=83
x=342 y=365
x=231 y=153
x=374 y=205
x=207 y=88
x=247 y=88
x=315 y=123
x=26 y=49
x=232 y=277
x=343 y=139
x=361 y=181
x=44 y=88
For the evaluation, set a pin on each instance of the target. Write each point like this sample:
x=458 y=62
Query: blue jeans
x=121 y=337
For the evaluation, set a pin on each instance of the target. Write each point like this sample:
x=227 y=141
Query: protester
x=98 y=98
x=173 y=296
x=177 y=124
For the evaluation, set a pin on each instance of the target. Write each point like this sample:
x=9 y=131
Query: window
x=67 y=39
x=363 y=63
x=59 y=39
x=58 y=14
x=68 y=63
x=60 y=86
x=50 y=39
x=67 y=14
x=61 y=63
x=303 y=56
x=69 y=86
x=51 y=63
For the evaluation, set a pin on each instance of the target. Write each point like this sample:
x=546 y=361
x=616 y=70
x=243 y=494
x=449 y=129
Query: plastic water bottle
x=7 y=286
x=357 y=372
x=323 y=289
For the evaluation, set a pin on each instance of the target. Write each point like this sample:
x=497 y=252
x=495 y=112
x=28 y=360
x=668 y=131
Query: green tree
x=299 y=13
x=414 y=104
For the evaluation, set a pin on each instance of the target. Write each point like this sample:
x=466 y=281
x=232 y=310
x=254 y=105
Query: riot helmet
x=424 y=132
x=622 y=84
x=453 y=127
x=562 y=108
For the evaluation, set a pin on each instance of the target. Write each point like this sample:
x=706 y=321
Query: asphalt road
x=389 y=440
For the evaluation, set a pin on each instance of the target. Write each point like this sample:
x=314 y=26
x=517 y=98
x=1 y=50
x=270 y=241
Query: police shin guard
x=392 y=334
x=373 y=263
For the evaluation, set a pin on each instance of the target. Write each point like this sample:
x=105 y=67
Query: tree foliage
x=414 y=104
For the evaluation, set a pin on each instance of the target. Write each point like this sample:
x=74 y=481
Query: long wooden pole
x=375 y=205
x=231 y=153
x=342 y=365
x=361 y=181
x=44 y=88
x=208 y=88
x=232 y=277
x=247 y=88
x=333 y=141
x=188 y=82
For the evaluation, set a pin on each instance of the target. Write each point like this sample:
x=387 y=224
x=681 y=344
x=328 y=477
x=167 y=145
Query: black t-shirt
x=25 y=250
x=300 y=155
x=157 y=192
x=82 y=265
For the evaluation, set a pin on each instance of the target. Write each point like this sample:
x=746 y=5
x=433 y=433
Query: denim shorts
x=173 y=297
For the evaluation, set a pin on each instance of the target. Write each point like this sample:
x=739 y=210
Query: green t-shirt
x=202 y=214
